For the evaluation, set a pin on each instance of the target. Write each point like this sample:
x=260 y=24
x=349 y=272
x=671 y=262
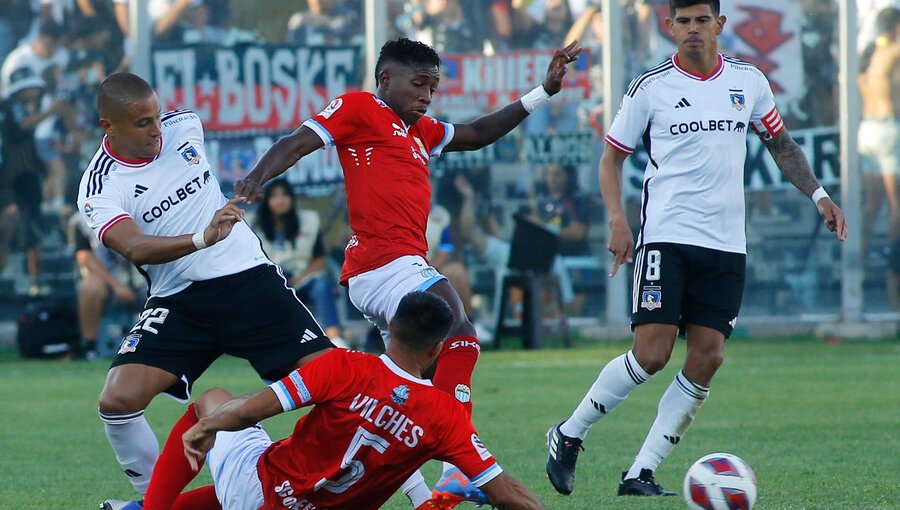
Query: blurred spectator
x=561 y=208
x=15 y=18
x=101 y=271
x=22 y=168
x=541 y=23
x=442 y=25
x=879 y=136
x=44 y=55
x=293 y=240
x=326 y=23
x=442 y=254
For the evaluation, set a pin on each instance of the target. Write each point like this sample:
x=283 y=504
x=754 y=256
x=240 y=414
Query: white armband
x=535 y=99
x=199 y=241
x=819 y=194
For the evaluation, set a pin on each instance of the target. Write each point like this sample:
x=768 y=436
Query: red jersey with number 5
x=385 y=164
x=369 y=430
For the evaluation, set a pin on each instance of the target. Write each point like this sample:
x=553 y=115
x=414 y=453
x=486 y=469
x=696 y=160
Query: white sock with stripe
x=613 y=385
x=677 y=408
x=416 y=489
x=135 y=445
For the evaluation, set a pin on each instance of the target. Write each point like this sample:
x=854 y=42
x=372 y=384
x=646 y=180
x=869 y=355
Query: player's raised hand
x=249 y=188
x=834 y=217
x=557 y=68
x=197 y=442
x=620 y=244
x=223 y=221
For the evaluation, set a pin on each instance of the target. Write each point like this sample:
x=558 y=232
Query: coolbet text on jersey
x=386 y=176
x=172 y=194
x=693 y=191
x=382 y=424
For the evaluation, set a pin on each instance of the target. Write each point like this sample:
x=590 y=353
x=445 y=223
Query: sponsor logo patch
x=331 y=108
x=302 y=390
x=480 y=448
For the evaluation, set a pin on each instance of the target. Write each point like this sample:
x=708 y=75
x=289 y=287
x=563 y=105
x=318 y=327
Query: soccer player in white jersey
x=149 y=195
x=691 y=250
x=384 y=142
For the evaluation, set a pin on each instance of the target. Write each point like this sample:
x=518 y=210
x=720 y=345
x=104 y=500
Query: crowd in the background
x=55 y=52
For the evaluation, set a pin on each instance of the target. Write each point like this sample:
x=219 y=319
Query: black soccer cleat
x=643 y=485
x=561 y=459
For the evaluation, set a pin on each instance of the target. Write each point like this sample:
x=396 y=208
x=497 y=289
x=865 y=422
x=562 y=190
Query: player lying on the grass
x=150 y=195
x=369 y=430
x=384 y=142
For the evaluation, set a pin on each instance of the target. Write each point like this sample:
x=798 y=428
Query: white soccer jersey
x=695 y=127
x=172 y=194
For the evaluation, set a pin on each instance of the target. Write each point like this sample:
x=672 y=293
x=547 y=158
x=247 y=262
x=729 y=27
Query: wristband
x=535 y=99
x=199 y=241
x=819 y=194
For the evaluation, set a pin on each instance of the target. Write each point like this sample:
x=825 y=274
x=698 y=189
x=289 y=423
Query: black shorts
x=681 y=284
x=252 y=315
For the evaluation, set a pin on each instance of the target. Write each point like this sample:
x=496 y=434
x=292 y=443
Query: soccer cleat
x=561 y=459
x=115 y=504
x=643 y=485
x=454 y=488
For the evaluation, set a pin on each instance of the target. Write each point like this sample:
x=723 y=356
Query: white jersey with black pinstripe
x=172 y=194
x=694 y=129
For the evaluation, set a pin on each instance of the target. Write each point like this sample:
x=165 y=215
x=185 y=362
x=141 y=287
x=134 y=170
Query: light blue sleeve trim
x=487 y=475
x=449 y=131
x=287 y=403
x=320 y=130
x=429 y=282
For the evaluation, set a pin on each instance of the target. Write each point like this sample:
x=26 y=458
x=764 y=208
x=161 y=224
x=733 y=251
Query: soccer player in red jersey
x=384 y=142
x=369 y=430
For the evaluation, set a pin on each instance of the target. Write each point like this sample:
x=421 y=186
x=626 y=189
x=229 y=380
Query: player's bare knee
x=210 y=400
x=115 y=401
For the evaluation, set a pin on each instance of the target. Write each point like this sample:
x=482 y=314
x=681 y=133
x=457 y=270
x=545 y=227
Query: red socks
x=455 y=366
x=173 y=473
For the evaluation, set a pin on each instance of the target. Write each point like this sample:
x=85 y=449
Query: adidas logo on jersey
x=307 y=336
x=683 y=103
x=139 y=190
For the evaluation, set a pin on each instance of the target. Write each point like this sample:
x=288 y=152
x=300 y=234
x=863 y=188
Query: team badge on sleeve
x=463 y=393
x=331 y=108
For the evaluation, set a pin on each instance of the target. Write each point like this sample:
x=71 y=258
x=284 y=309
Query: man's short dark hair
x=887 y=20
x=118 y=91
x=407 y=52
x=422 y=320
x=680 y=4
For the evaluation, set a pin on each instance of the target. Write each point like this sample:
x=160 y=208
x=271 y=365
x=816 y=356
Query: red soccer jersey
x=373 y=425
x=385 y=164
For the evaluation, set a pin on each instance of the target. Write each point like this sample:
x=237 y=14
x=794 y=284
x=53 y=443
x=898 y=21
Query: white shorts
x=232 y=462
x=377 y=293
x=879 y=142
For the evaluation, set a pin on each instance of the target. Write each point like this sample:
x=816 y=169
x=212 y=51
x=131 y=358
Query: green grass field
x=820 y=425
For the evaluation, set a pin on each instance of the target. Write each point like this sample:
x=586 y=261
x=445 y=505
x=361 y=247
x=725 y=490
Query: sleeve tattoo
x=792 y=162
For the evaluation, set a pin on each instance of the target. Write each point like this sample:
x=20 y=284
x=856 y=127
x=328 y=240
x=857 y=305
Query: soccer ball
x=720 y=481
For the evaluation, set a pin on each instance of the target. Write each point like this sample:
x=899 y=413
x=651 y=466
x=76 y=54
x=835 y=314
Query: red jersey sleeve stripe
x=109 y=224
x=619 y=145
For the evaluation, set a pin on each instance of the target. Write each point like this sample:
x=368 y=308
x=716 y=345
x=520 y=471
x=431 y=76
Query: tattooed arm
x=793 y=164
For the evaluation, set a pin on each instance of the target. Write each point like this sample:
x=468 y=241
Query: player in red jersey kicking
x=384 y=142
x=369 y=430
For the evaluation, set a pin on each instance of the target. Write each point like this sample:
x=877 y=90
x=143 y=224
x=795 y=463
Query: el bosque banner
x=253 y=88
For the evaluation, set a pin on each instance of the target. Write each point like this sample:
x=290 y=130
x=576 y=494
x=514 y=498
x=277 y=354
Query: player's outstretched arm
x=507 y=493
x=283 y=154
x=621 y=242
x=489 y=128
x=794 y=165
x=219 y=412
x=128 y=240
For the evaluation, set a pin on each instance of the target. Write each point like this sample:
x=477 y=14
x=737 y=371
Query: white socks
x=677 y=408
x=135 y=445
x=416 y=489
x=612 y=386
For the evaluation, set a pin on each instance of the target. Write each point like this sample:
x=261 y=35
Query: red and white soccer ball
x=720 y=481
